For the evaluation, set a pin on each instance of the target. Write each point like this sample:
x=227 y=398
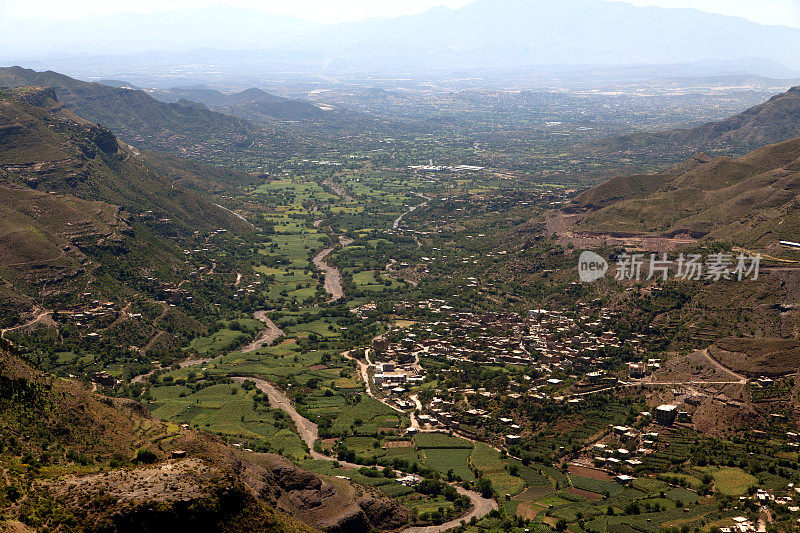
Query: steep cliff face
x=332 y=505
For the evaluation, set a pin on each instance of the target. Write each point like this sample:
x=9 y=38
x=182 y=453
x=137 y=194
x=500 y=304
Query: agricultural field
x=446 y=460
x=730 y=481
x=229 y=410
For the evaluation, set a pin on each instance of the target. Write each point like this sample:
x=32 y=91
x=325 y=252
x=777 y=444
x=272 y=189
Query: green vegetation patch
x=446 y=460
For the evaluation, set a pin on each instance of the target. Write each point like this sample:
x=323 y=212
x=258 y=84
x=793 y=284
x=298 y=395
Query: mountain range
x=771 y=122
x=181 y=127
x=75 y=199
x=260 y=107
x=485 y=33
x=749 y=200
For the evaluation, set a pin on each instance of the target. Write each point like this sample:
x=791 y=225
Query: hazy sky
x=765 y=11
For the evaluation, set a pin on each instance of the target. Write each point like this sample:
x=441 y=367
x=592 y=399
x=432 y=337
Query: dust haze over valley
x=323 y=267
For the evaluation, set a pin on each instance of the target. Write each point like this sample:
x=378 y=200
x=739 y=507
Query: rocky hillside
x=774 y=121
x=253 y=104
x=750 y=200
x=183 y=128
x=74 y=197
x=77 y=461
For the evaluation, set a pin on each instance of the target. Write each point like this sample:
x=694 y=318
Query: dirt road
x=40 y=316
x=480 y=507
x=397 y=221
x=333 y=278
x=363 y=369
x=267 y=335
x=237 y=215
x=339 y=189
x=309 y=432
x=742 y=379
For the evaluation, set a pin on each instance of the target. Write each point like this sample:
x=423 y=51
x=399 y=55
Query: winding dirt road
x=333 y=278
x=480 y=507
x=267 y=335
x=40 y=316
x=309 y=432
x=339 y=189
x=411 y=210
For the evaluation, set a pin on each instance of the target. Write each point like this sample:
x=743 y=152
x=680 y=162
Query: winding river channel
x=309 y=432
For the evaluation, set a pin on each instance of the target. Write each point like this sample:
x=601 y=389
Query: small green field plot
x=425 y=505
x=675 y=479
x=395 y=490
x=596 y=485
x=730 y=481
x=361 y=444
x=440 y=440
x=360 y=418
x=229 y=410
x=446 y=459
x=368 y=281
x=649 y=485
x=323 y=328
x=295 y=192
x=656 y=521
x=504 y=483
x=529 y=473
x=221 y=341
x=406 y=453
x=491 y=464
x=486 y=459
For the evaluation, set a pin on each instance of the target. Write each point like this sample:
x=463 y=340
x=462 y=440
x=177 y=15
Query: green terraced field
x=446 y=459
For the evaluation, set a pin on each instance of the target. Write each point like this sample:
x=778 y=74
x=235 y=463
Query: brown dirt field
x=318 y=367
x=590 y=473
x=692 y=367
x=528 y=511
x=398 y=444
x=585 y=493
x=388 y=431
x=758 y=356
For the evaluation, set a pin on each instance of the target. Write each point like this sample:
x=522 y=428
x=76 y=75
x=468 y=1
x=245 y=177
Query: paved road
x=267 y=335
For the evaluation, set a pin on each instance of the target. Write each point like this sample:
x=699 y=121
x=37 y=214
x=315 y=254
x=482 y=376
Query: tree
x=484 y=486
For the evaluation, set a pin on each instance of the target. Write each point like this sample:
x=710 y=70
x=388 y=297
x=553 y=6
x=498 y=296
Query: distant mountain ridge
x=251 y=104
x=774 y=121
x=483 y=33
x=135 y=116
